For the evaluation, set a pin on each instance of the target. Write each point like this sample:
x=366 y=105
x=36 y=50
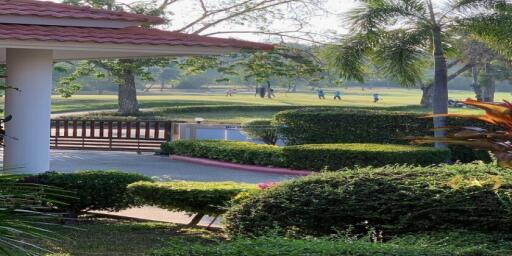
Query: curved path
x=155 y=166
x=161 y=167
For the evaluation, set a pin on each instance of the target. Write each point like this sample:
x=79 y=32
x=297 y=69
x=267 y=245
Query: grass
x=166 y=107
x=123 y=238
x=128 y=238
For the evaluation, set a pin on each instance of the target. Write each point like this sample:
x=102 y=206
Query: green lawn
x=181 y=106
x=123 y=238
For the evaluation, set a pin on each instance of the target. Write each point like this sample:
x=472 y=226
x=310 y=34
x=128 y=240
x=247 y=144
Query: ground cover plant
x=308 y=157
x=107 y=237
x=440 y=244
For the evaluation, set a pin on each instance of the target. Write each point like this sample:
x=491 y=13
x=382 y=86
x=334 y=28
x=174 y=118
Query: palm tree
x=400 y=36
x=22 y=220
x=493 y=25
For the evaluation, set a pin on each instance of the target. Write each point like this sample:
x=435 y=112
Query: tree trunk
x=476 y=86
x=490 y=85
x=440 y=99
x=426 y=96
x=269 y=92
x=195 y=221
x=127 y=94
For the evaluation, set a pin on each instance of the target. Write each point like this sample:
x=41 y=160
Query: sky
x=329 y=22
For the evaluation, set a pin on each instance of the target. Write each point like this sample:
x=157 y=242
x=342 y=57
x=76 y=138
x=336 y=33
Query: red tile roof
x=55 y=10
x=130 y=35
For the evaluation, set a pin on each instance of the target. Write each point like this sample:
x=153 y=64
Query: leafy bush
x=276 y=246
x=93 y=190
x=336 y=156
x=393 y=199
x=344 y=125
x=229 y=151
x=193 y=197
x=261 y=129
x=310 y=157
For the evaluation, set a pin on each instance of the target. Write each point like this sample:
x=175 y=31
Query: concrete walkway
x=160 y=167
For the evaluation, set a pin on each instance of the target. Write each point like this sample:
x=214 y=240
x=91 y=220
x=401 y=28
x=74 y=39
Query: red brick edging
x=242 y=167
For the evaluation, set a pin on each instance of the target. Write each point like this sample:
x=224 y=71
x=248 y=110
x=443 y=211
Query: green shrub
x=337 y=156
x=276 y=246
x=394 y=199
x=309 y=157
x=261 y=129
x=92 y=190
x=344 y=125
x=229 y=151
x=211 y=198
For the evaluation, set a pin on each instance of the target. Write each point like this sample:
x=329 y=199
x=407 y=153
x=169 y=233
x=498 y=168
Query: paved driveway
x=151 y=165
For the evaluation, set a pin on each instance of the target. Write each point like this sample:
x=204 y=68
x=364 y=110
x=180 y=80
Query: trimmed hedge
x=344 y=125
x=211 y=198
x=337 y=156
x=92 y=190
x=392 y=199
x=279 y=246
x=229 y=151
x=308 y=157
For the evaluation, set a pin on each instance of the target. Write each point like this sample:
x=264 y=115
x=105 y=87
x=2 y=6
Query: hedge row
x=278 y=246
x=210 y=198
x=392 y=199
x=308 y=157
x=89 y=190
x=344 y=125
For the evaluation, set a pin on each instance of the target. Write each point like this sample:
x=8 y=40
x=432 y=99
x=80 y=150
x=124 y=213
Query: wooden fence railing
x=110 y=135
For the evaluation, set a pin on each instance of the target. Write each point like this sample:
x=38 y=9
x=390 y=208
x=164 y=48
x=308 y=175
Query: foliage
x=21 y=217
x=289 y=63
x=308 y=157
x=457 y=243
x=211 y=198
x=274 y=246
x=203 y=18
x=492 y=25
x=229 y=151
x=335 y=156
x=498 y=142
x=94 y=190
x=261 y=129
x=401 y=40
x=392 y=200
x=344 y=125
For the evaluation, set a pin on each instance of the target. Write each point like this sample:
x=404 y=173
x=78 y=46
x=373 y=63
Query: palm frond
x=476 y=4
x=400 y=55
x=372 y=15
x=348 y=59
x=23 y=218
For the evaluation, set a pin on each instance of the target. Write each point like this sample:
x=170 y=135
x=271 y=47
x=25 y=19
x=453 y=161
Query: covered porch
x=34 y=35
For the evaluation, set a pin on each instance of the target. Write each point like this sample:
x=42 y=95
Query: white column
x=31 y=72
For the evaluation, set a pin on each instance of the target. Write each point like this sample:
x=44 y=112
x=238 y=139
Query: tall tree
x=398 y=35
x=288 y=63
x=201 y=17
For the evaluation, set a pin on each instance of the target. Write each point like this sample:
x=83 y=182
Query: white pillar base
x=27 y=145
